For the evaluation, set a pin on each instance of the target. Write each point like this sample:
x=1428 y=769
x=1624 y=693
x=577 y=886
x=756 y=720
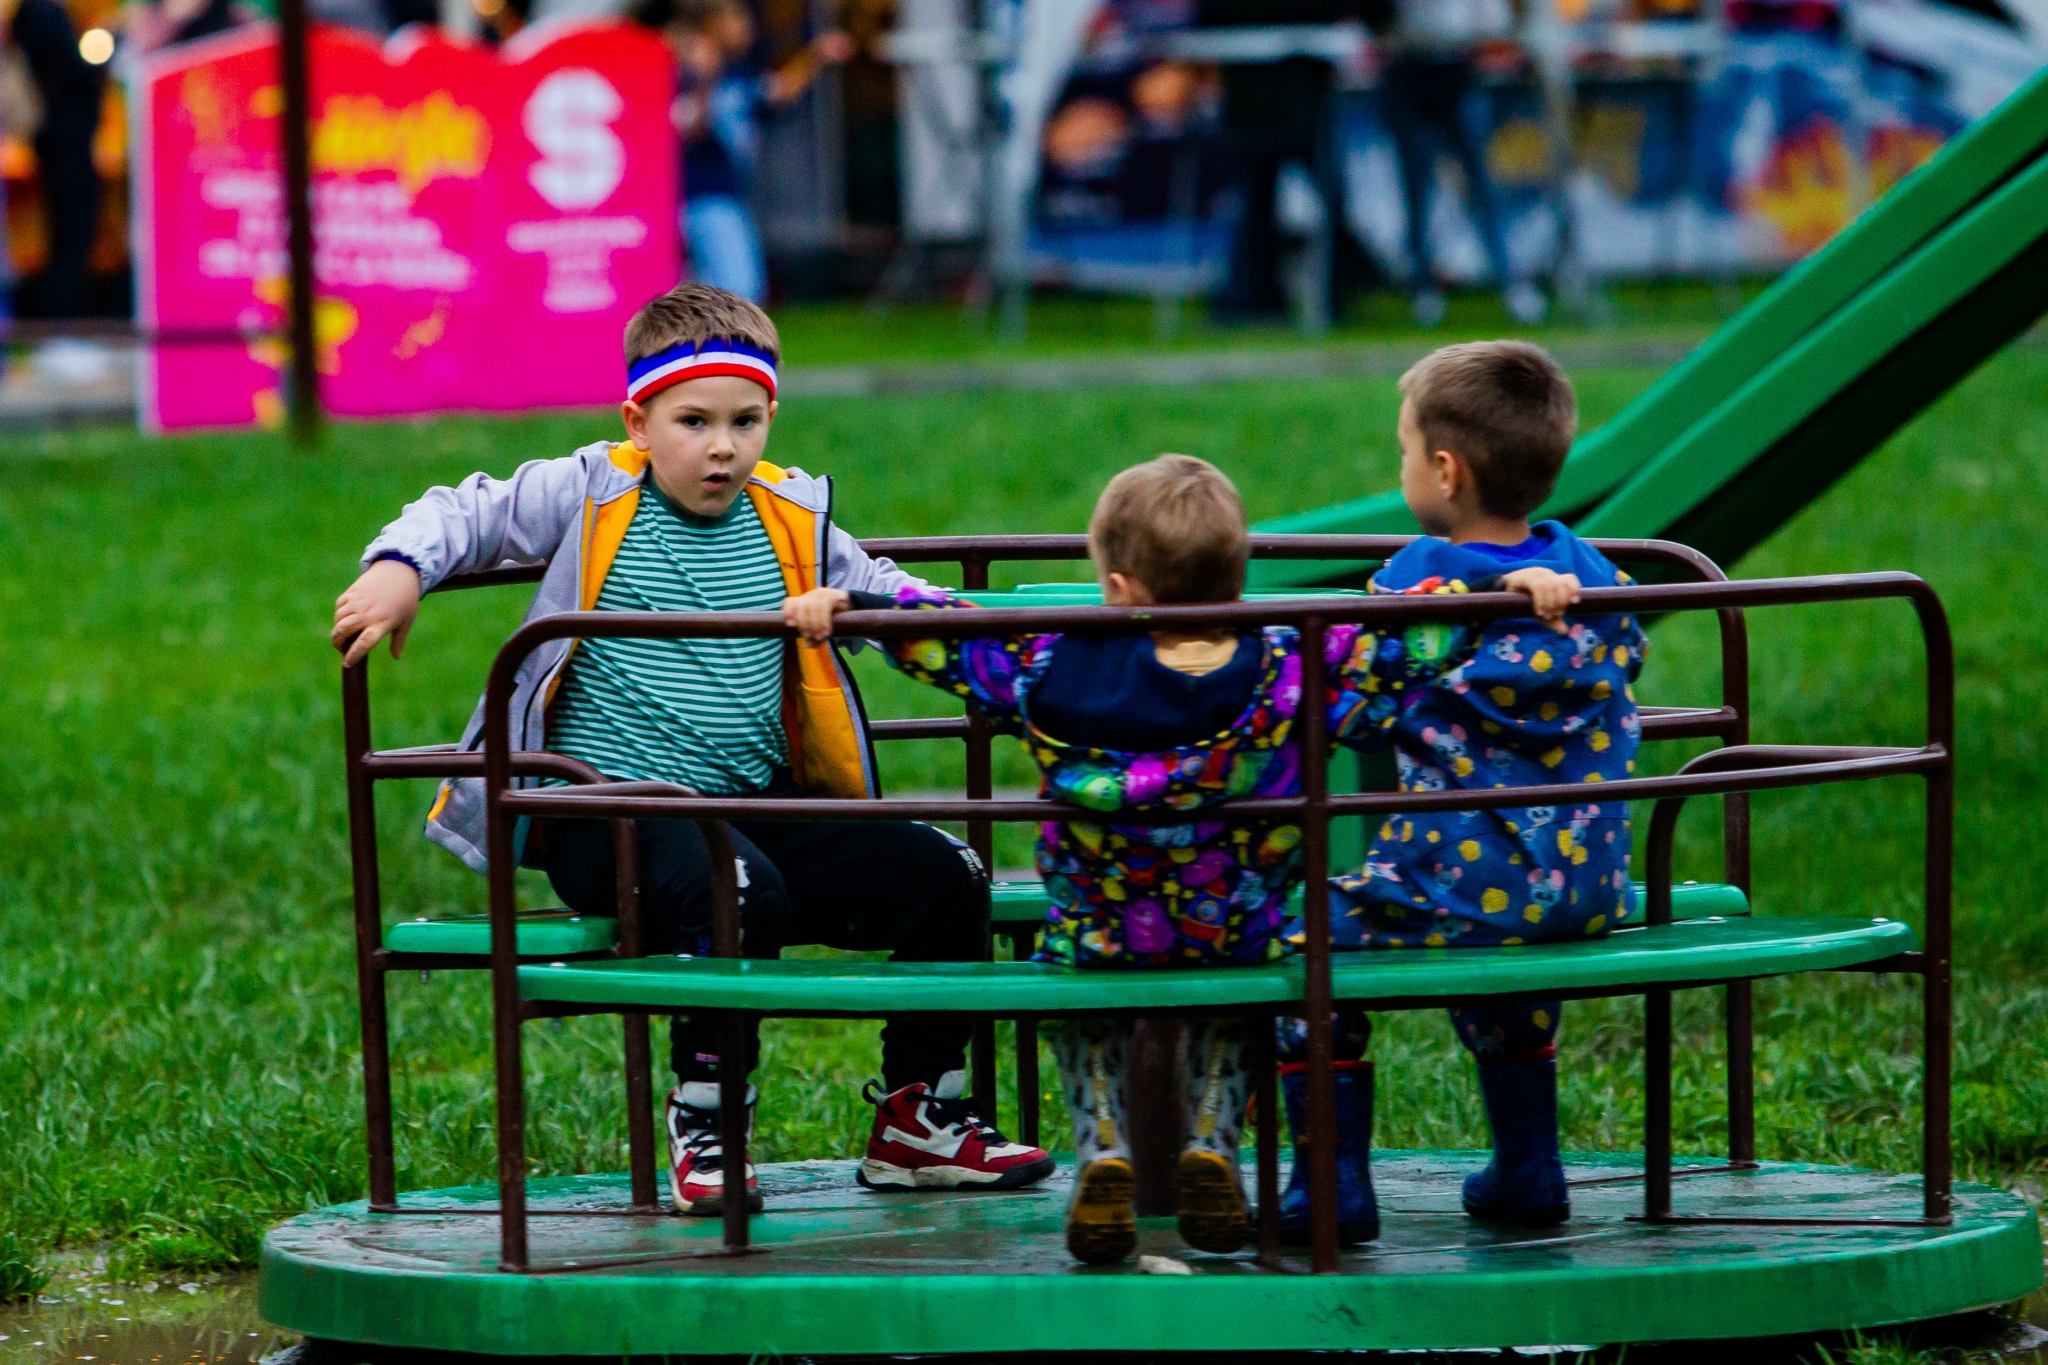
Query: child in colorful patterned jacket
x=1169 y=721
x=1484 y=429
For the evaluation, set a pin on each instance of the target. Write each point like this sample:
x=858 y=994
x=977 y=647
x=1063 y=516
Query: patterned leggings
x=1492 y=1032
x=1093 y=1056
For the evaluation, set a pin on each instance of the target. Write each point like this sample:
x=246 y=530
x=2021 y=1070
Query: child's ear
x=1121 y=590
x=1453 y=475
x=635 y=418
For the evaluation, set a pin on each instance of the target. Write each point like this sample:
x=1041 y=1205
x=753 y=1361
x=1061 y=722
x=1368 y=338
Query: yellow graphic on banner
x=419 y=142
x=334 y=322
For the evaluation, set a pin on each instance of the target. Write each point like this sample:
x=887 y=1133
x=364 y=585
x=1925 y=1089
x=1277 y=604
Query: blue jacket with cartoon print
x=1531 y=707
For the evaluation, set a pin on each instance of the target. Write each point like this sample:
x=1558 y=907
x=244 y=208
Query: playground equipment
x=1816 y=372
x=1712 y=1247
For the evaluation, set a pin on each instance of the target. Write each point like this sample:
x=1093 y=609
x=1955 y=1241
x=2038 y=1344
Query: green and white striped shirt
x=705 y=713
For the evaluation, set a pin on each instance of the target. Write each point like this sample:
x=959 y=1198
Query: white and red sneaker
x=926 y=1138
x=696 y=1169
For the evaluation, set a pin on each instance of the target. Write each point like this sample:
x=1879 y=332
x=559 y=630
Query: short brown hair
x=1507 y=408
x=697 y=313
x=1176 y=525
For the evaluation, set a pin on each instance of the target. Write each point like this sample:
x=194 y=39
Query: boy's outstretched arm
x=1372 y=673
x=479 y=523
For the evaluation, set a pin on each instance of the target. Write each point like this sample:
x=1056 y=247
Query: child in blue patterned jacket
x=1484 y=429
x=1167 y=721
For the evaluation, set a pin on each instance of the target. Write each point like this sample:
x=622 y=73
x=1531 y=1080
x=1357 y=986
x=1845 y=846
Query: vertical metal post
x=1156 y=1086
x=505 y=1020
x=1657 y=1025
x=296 y=78
x=1656 y=1105
x=1027 y=1082
x=639 y=1061
x=1937 y=1021
x=734 y=1061
x=1311 y=731
x=1021 y=947
x=1740 y=1002
x=981 y=838
x=369 y=917
x=1265 y=1077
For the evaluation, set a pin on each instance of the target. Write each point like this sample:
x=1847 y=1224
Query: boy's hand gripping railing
x=1313 y=807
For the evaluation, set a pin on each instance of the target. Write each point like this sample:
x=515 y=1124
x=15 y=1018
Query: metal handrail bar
x=661 y=800
x=1092 y=620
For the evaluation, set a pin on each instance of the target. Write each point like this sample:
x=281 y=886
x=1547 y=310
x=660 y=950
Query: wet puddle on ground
x=207 y=1321
x=213 y=1321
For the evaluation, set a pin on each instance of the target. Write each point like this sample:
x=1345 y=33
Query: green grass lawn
x=178 y=1059
x=837 y=333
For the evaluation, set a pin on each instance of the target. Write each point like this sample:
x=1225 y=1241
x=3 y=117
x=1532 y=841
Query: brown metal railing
x=1313 y=808
x=1768 y=767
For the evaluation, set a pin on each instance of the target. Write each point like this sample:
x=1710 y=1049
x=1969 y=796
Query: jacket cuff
x=870 y=601
x=402 y=557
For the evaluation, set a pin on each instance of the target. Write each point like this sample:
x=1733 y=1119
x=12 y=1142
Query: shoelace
x=945 y=1114
x=952 y=1114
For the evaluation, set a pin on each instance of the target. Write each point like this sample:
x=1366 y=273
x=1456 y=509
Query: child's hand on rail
x=811 y=614
x=383 y=601
x=1549 y=594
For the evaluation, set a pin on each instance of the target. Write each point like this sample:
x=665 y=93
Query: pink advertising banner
x=484 y=222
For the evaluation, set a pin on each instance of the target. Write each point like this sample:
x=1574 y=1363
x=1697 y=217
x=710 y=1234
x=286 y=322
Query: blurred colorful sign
x=484 y=223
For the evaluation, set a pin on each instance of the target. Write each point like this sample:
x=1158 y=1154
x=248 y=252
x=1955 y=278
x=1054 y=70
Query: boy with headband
x=685 y=515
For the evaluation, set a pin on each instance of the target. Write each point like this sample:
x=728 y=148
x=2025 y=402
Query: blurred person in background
x=70 y=89
x=1274 y=114
x=1427 y=98
x=722 y=96
x=164 y=23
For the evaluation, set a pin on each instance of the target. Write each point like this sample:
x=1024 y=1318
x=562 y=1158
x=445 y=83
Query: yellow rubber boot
x=1100 y=1227
x=1213 y=1216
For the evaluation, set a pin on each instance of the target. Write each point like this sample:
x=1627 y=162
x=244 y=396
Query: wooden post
x=296 y=77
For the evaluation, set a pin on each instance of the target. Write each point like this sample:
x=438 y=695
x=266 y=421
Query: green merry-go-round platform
x=838 y=1269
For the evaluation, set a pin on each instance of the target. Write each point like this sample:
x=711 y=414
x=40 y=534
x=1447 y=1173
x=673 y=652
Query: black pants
x=896 y=887
x=71 y=198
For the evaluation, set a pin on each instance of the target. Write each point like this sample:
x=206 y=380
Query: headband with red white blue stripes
x=696 y=360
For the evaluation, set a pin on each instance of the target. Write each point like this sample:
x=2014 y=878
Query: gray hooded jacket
x=543 y=515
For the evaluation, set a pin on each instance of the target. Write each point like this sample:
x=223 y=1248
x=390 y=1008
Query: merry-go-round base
x=836 y=1269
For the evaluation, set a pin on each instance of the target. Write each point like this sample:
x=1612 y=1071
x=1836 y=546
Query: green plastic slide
x=1816 y=373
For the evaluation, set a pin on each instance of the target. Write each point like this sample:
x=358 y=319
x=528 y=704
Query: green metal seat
x=1014 y=903
x=1693 y=951
x=562 y=933
x=542 y=933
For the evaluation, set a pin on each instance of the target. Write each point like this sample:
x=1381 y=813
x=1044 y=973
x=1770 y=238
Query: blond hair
x=699 y=313
x=1176 y=525
x=1507 y=408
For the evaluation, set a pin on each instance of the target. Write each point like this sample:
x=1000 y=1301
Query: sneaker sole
x=1101 y=1230
x=885 y=1178
x=1212 y=1211
x=710 y=1205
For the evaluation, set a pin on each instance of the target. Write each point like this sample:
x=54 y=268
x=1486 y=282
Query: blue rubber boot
x=1358 y=1212
x=1524 y=1183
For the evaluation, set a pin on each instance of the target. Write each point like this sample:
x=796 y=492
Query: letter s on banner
x=568 y=118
